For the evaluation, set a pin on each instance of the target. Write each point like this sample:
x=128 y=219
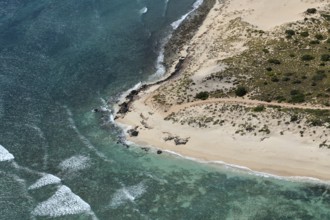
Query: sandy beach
x=231 y=132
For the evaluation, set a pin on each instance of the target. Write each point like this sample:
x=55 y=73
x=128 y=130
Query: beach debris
x=181 y=141
x=169 y=138
x=264 y=138
x=159 y=152
x=143 y=117
x=177 y=140
x=145 y=125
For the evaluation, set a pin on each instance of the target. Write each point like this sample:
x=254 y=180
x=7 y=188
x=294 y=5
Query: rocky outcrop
x=133 y=132
x=177 y=140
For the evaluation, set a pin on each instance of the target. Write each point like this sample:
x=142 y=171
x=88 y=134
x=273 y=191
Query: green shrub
x=280 y=98
x=304 y=34
x=294 y=118
x=289 y=74
x=269 y=69
x=290 y=32
x=202 y=95
x=274 y=61
x=315 y=122
x=259 y=108
x=311 y=10
x=319 y=76
x=319 y=37
x=326 y=17
x=297 y=96
x=241 y=91
x=307 y=57
x=328 y=41
x=265 y=50
x=325 y=57
x=274 y=79
x=314 y=42
x=297 y=81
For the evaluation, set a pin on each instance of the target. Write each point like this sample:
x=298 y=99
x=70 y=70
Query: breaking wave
x=5 y=155
x=75 y=163
x=177 y=23
x=47 y=179
x=127 y=194
x=63 y=202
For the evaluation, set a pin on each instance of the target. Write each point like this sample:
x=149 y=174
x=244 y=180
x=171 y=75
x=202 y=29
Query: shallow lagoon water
x=61 y=59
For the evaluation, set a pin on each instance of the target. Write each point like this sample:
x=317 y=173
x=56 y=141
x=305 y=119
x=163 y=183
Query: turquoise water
x=61 y=59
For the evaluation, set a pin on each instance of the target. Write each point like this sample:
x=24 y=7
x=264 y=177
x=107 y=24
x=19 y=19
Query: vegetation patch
x=240 y=91
x=202 y=95
x=307 y=57
x=259 y=108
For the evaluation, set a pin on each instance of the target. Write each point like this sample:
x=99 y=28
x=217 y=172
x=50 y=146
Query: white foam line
x=177 y=23
x=83 y=139
x=124 y=94
x=160 y=68
x=105 y=108
x=165 y=7
x=234 y=167
x=46 y=180
x=253 y=172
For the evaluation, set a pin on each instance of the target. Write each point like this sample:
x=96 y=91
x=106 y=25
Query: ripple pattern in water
x=59 y=160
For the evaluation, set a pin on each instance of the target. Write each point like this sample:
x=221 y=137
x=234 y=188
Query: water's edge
x=180 y=37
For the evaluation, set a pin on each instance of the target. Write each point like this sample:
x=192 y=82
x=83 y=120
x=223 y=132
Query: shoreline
x=261 y=154
x=234 y=167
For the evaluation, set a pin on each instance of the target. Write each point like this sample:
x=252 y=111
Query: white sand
x=222 y=36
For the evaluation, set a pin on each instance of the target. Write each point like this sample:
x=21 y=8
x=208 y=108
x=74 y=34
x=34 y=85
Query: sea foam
x=5 y=155
x=75 y=163
x=63 y=202
x=127 y=194
x=143 y=10
x=177 y=23
x=47 y=179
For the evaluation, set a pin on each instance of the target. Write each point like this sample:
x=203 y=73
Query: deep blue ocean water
x=61 y=59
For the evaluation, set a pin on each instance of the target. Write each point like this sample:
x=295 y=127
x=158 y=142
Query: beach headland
x=243 y=86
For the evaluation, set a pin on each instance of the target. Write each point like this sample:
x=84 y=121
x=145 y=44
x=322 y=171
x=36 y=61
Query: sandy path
x=245 y=102
x=283 y=151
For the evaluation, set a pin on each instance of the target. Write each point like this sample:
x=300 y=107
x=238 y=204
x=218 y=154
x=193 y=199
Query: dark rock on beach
x=124 y=108
x=181 y=141
x=133 y=132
